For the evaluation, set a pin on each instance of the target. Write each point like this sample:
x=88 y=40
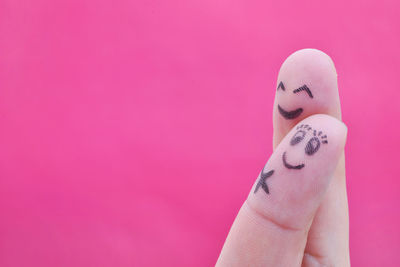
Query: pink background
x=132 y=131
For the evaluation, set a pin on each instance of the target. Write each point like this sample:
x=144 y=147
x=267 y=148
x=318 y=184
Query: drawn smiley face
x=312 y=145
x=292 y=114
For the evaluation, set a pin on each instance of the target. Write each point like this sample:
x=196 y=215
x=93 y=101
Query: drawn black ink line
x=281 y=86
x=262 y=183
x=303 y=88
x=323 y=139
x=312 y=146
x=290 y=115
x=298 y=137
x=289 y=166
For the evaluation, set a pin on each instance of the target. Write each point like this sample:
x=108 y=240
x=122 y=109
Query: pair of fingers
x=296 y=214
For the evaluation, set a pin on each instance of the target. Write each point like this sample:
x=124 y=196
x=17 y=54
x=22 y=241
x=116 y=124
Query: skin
x=303 y=219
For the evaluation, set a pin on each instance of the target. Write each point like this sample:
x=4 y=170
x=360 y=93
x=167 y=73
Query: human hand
x=296 y=213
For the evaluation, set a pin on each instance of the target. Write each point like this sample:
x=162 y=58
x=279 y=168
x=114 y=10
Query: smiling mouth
x=290 y=115
x=289 y=166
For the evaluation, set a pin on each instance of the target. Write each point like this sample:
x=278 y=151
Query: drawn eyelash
x=304 y=126
x=324 y=138
x=303 y=88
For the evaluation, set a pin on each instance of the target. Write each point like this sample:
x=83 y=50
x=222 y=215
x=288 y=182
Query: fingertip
x=312 y=67
x=306 y=85
x=303 y=164
x=280 y=208
x=311 y=58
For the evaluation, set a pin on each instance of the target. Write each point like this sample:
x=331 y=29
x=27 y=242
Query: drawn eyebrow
x=281 y=86
x=303 y=88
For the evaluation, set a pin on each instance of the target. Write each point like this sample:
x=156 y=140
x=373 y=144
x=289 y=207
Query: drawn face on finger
x=311 y=140
x=291 y=114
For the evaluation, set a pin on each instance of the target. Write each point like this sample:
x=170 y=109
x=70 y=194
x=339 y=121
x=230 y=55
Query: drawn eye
x=312 y=146
x=298 y=137
x=281 y=86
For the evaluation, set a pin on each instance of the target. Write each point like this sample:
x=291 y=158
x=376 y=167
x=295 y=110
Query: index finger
x=272 y=225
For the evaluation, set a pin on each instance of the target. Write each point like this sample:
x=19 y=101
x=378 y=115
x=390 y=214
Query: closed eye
x=304 y=88
x=281 y=86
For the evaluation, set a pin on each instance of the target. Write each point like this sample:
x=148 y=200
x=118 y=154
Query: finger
x=307 y=82
x=271 y=227
x=307 y=85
